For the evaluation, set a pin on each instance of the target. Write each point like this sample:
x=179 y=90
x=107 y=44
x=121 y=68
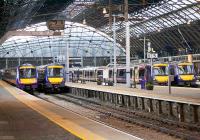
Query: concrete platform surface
x=26 y=117
x=179 y=94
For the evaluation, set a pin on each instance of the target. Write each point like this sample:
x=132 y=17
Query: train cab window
x=185 y=69
x=27 y=73
x=55 y=72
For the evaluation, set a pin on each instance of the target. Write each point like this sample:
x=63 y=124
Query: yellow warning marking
x=41 y=107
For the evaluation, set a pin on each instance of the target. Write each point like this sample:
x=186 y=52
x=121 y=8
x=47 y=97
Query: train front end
x=26 y=78
x=160 y=73
x=55 y=77
x=186 y=74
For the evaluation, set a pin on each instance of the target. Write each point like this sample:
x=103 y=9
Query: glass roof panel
x=82 y=40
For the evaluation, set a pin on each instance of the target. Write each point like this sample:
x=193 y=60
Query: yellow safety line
x=70 y=126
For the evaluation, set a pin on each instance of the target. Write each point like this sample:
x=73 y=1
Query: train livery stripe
x=27 y=67
x=55 y=66
x=160 y=65
x=40 y=107
x=185 y=64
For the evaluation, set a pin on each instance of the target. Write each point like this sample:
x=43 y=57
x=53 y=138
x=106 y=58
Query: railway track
x=178 y=129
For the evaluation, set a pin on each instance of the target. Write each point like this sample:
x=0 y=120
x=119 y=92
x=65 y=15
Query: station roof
x=172 y=26
x=82 y=40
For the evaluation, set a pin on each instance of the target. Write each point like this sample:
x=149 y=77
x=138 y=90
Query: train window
x=110 y=74
x=131 y=72
x=100 y=72
x=27 y=73
x=122 y=72
x=91 y=73
x=172 y=72
x=55 y=72
x=185 y=69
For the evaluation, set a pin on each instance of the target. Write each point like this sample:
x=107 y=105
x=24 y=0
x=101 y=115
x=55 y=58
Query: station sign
x=152 y=55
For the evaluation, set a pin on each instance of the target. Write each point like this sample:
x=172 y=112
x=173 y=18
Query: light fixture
x=189 y=22
x=84 y=21
x=104 y=11
x=158 y=29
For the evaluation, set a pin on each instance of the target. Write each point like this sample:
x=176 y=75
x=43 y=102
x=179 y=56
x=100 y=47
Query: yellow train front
x=161 y=72
x=24 y=77
x=186 y=74
x=51 y=77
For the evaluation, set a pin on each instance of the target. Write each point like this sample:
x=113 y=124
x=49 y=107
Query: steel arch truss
x=82 y=40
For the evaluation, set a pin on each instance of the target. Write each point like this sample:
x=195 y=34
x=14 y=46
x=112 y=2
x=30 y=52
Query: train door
x=147 y=74
x=111 y=75
x=99 y=74
x=121 y=75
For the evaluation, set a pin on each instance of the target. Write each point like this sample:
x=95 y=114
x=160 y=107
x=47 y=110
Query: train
x=94 y=74
x=51 y=77
x=24 y=77
x=181 y=74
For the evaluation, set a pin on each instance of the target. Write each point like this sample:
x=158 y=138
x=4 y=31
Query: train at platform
x=181 y=74
x=51 y=77
x=24 y=77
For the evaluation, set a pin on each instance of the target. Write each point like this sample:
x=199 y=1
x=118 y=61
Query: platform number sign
x=152 y=55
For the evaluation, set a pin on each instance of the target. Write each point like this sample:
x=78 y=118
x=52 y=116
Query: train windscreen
x=185 y=69
x=160 y=71
x=27 y=73
x=55 y=72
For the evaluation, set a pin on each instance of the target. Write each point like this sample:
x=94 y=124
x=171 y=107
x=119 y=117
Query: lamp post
x=114 y=38
x=151 y=53
x=67 y=62
x=114 y=45
x=125 y=16
x=128 y=82
x=145 y=39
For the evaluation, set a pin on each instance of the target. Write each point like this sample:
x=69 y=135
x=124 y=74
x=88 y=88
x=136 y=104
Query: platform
x=24 y=116
x=182 y=105
x=182 y=94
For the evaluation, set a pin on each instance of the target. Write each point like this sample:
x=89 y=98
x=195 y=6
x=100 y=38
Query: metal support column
x=128 y=83
x=144 y=48
x=6 y=63
x=114 y=47
x=19 y=61
x=67 y=62
x=82 y=58
x=42 y=60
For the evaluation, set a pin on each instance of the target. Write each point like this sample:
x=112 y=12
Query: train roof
x=52 y=64
x=26 y=66
x=185 y=63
